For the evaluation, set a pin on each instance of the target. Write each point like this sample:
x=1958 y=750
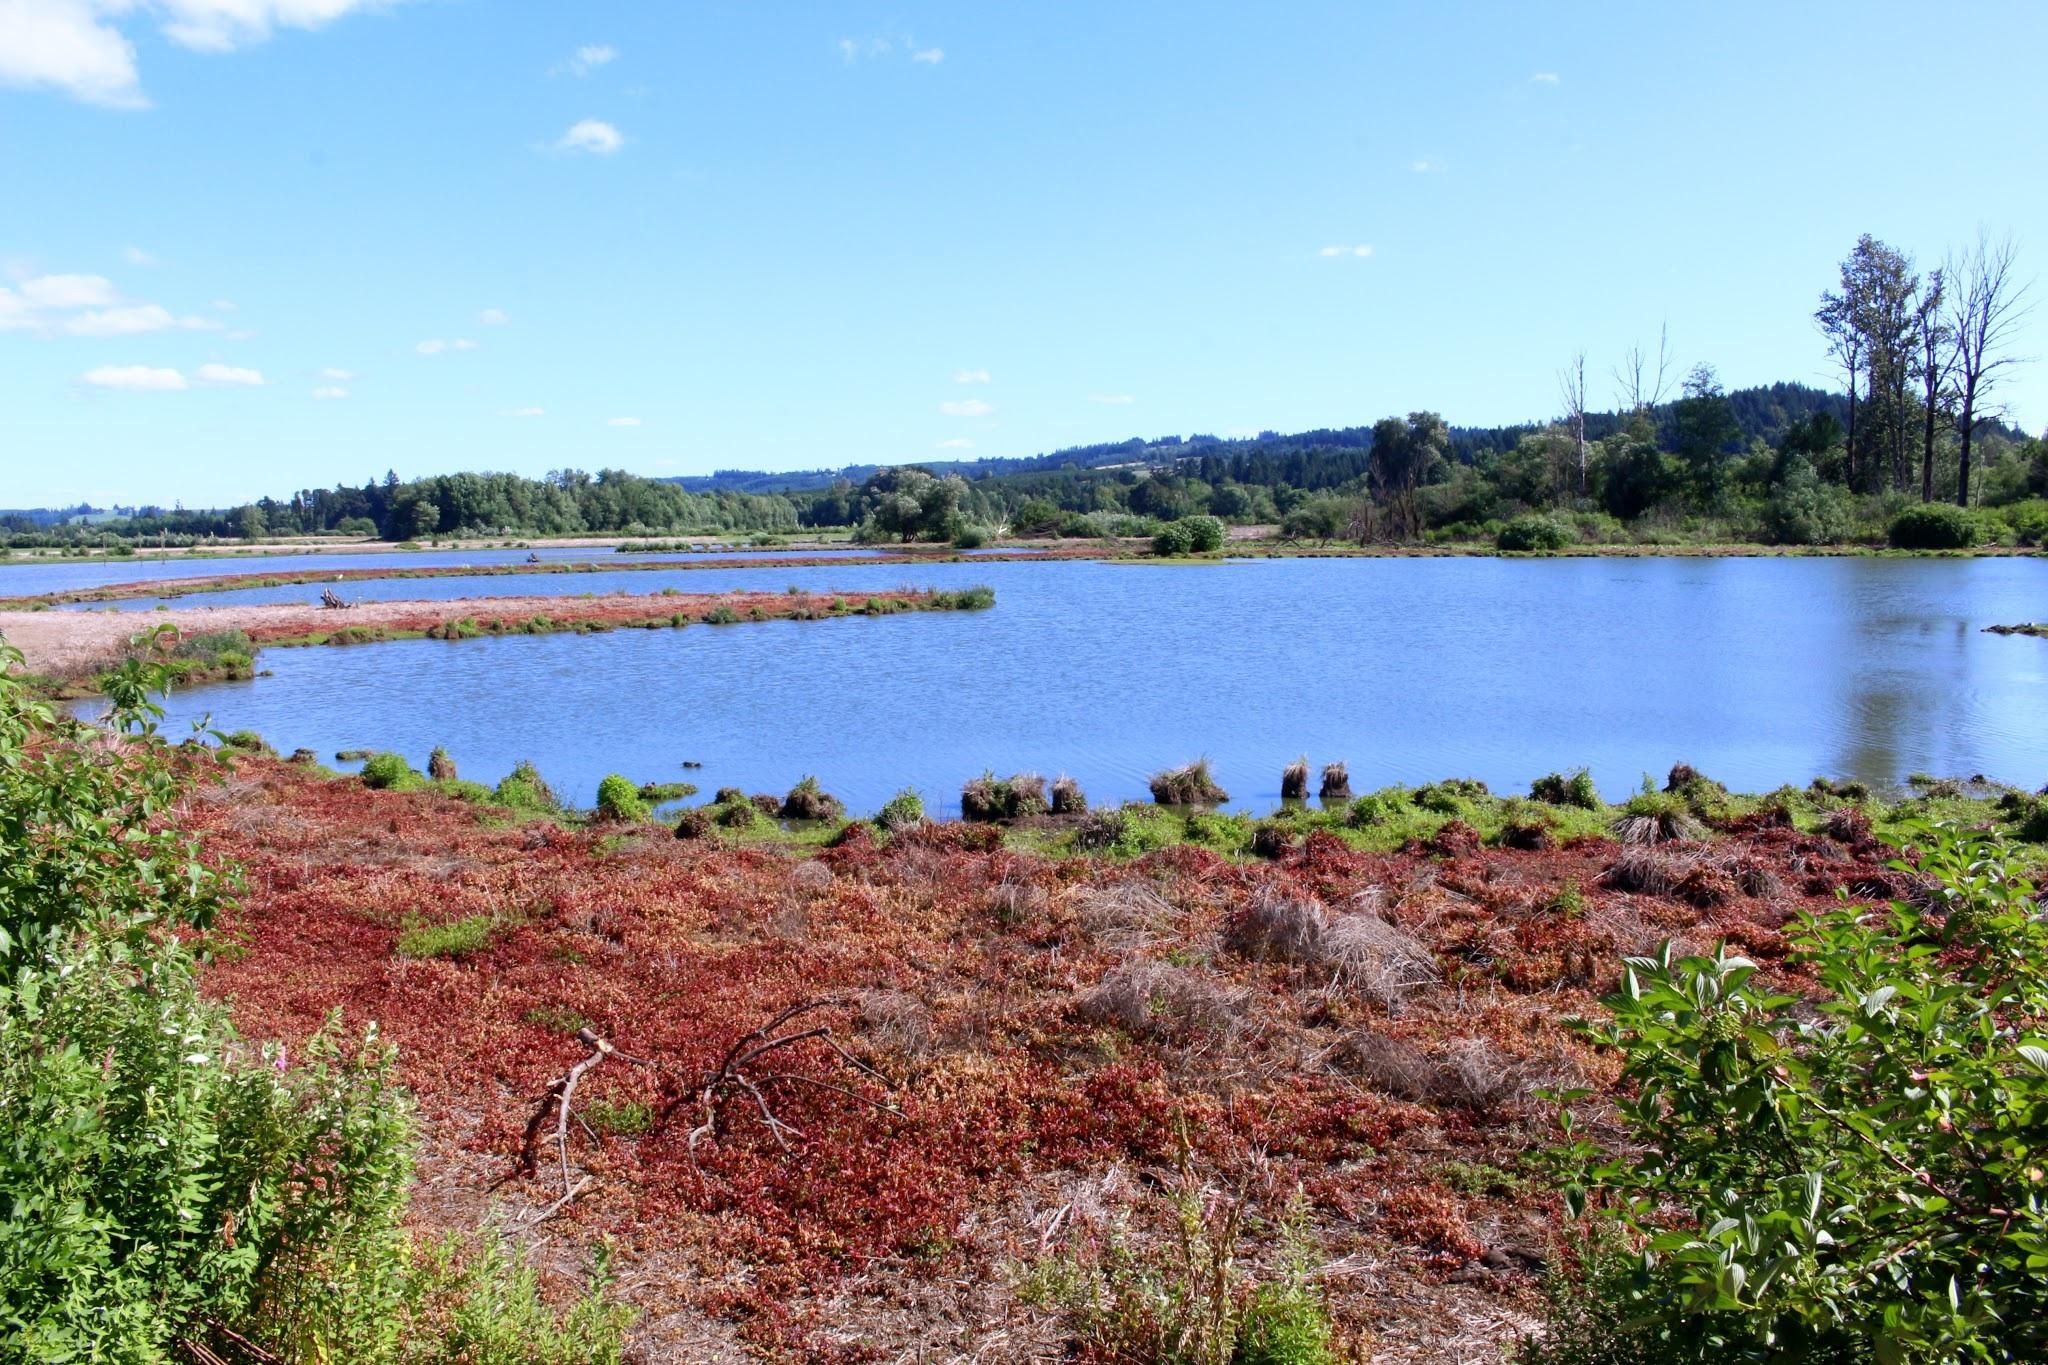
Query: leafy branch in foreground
x=1860 y=1173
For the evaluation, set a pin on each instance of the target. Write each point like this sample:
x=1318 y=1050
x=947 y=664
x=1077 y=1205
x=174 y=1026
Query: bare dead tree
x=1985 y=309
x=1643 y=388
x=1571 y=386
x=1837 y=320
x=1931 y=335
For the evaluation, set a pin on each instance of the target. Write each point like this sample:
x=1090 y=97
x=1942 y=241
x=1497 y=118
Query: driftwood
x=333 y=600
x=736 y=1073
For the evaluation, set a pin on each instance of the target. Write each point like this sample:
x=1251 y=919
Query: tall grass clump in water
x=440 y=767
x=1336 y=782
x=992 y=798
x=1067 y=797
x=1193 y=785
x=1294 y=780
x=902 y=811
x=809 y=801
x=170 y=1192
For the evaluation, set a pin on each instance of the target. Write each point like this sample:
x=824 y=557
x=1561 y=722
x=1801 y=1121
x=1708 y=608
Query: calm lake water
x=1758 y=671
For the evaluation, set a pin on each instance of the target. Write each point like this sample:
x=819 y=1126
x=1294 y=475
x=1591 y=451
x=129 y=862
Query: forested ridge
x=1921 y=356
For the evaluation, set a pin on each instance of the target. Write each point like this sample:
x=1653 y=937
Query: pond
x=1758 y=671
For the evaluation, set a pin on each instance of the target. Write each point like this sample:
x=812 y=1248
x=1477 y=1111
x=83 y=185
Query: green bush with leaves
x=1858 y=1174
x=390 y=772
x=1533 y=533
x=164 y=1184
x=1935 y=526
x=619 y=799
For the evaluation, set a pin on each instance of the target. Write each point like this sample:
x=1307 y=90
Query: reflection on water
x=1758 y=671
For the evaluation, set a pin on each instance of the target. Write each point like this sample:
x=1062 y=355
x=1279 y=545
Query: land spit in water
x=69 y=650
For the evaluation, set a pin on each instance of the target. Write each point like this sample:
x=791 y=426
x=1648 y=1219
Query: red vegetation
x=962 y=962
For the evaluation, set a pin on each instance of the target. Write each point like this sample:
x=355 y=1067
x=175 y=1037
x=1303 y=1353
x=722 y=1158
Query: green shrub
x=1533 y=533
x=2029 y=520
x=721 y=615
x=970 y=538
x=1849 y=1172
x=1805 y=510
x=1189 y=536
x=482 y=1305
x=904 y=809
x=1934 y=526
x=526 y=791
x=390 y=772
x=1567 y=789
x=619 y=799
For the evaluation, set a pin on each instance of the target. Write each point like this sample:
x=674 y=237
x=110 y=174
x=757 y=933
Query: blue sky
x=254 y=245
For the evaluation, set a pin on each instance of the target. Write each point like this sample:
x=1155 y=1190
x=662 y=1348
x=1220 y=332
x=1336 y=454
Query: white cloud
x=77 y=46
x=1114 y=399
x=235 y=375
x=957 y=443
x=972 y=377
x=329 y=392
x=966 y=407
x=931 y=56
x=68 y=291
x=135 y=255
x=1425 y=165
x=462 y=344
x=145 y=317
x=68 y=45
x=591 y=135
x=527 y=412
x=493 y=317
x=224 y=25
x=1360 y=250
x=337 y=374
x=1544 y=78
x=135 y=379
x=589 y=58
x=622 y=421
x=853 y=50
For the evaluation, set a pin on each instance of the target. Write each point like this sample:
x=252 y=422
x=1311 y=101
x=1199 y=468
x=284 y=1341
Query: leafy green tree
x=1704 y=432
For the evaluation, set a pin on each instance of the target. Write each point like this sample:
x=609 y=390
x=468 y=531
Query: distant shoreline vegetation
x=1910 y=454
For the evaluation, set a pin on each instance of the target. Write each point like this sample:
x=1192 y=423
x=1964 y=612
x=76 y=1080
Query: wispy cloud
x=852 y=50
x=1113 y=399
x=622 y=421
x=85 y=306
x=80 y=48
x=527 y=412
x=231 y=375
x=134 y=379
x=1425 y=165
x=590 y=58
x=331 y=372
x=1544 y=78
x=493 y=317
x=972 y=377
x=328 y=393
x=1361 y=249
x=135 y=255
x=957 y=443
x=591 y=135
x=966 y=407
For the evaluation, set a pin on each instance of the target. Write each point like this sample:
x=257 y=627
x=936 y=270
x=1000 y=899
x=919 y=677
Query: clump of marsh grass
x=1193 y=785
x=1336 y=782
x=989 y=798
x=1155 y=1000
x=1359 y=953
x=809 y=801
x=1067 y=797
x=1566 y=789
x=1470 y=1074
x=1294 y=780
x=1654 y=817
x=389 y=772
x=524 y=789
x=440 y=766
